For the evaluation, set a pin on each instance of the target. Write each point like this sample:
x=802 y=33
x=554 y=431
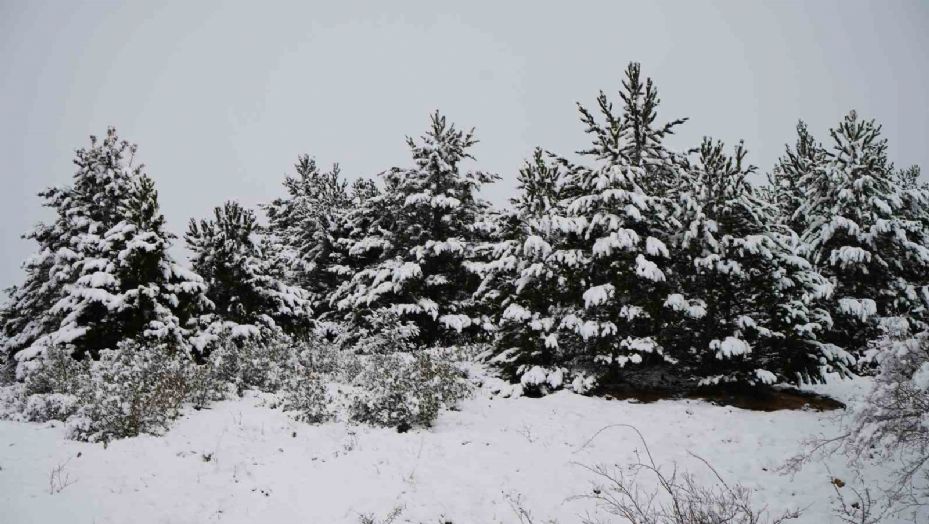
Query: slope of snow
x=242 y=462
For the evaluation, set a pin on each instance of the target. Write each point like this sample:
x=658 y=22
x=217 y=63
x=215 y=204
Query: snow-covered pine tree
x=750 y=313
x=305 y=224
x=102 y=274
x=244 y=281
x=805 y=162
x=419 y=236
x=861 y=237
x=624 y=220
x=632 y=137
x=914 y=198
x=528 y=268
x=159 y=298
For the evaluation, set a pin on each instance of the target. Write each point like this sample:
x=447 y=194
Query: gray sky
x=222 y=97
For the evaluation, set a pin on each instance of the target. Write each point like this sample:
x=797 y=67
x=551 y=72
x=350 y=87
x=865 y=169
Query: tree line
x=635 y=261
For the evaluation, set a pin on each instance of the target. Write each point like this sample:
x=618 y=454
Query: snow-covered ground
x=242 y=462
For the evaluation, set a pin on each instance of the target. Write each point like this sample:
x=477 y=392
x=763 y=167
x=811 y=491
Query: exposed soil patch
x=756 y=399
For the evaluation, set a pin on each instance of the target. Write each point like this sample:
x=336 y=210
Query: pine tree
x=632 y=138
x=102 y=274
x=419 y=237
x=583 y=266
x=805 y=162
x=861 y=237
x=526 y=267
x=624 y=223
x=306 y=225
x=244 y=282
x=750 y=314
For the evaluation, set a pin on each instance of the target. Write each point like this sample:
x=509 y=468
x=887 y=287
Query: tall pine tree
x=624 y=224
x=862 y=238
x=306 y=224
x=751 y=310
x=102 y=273
x=527 y=269
x=419 y=236
x=799 y=166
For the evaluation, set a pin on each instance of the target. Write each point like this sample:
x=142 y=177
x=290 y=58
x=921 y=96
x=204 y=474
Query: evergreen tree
x=243 y=279
x=805 y=162
x=527 y=269
x=632 y=138
x=750 y=314
x=862 y=237
x=305 y=224
x=582 y=270
x=102 y=274
x=624 y=220
x=419 y=236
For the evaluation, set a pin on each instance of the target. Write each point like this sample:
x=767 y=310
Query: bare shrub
x=891 y=424
x=888 y=426
x=861 y=508
x=59 y=478
x=390 y=518
x=644 y=493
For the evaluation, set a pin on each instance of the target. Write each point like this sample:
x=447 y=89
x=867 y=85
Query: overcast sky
x=222 y=97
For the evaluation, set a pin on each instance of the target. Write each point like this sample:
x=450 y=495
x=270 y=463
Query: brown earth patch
x=755 y=399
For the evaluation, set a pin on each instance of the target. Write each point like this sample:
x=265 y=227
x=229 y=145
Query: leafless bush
x=390 y=518
x=888 y=427
x=644 y=493
x=891 y=424
x=862 y=509
x=59 y=479
x=521 y=511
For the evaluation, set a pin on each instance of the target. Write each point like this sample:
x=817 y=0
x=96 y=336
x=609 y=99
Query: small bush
x=386 y=333
x=131 y=390
x=253 y=363
x=51 y=385
x=204 y=384
x=12 y=402
x=403 y=390
x=42 y=407
x=306 y=398
x=304 y=392
x=55 y=372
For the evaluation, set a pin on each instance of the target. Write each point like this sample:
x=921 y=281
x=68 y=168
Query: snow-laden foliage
x=244 y=282
x=786 y=182
x=102 y=273
x=419 y=236
x=304 y=391
x=582 y=270
x=385 y=332
x=131 y=390
x=528 y=270
x=866 y=235
x=306 y=225
x=753 y=311
x=403 y=390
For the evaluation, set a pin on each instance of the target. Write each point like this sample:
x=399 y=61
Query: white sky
x=222 y=97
